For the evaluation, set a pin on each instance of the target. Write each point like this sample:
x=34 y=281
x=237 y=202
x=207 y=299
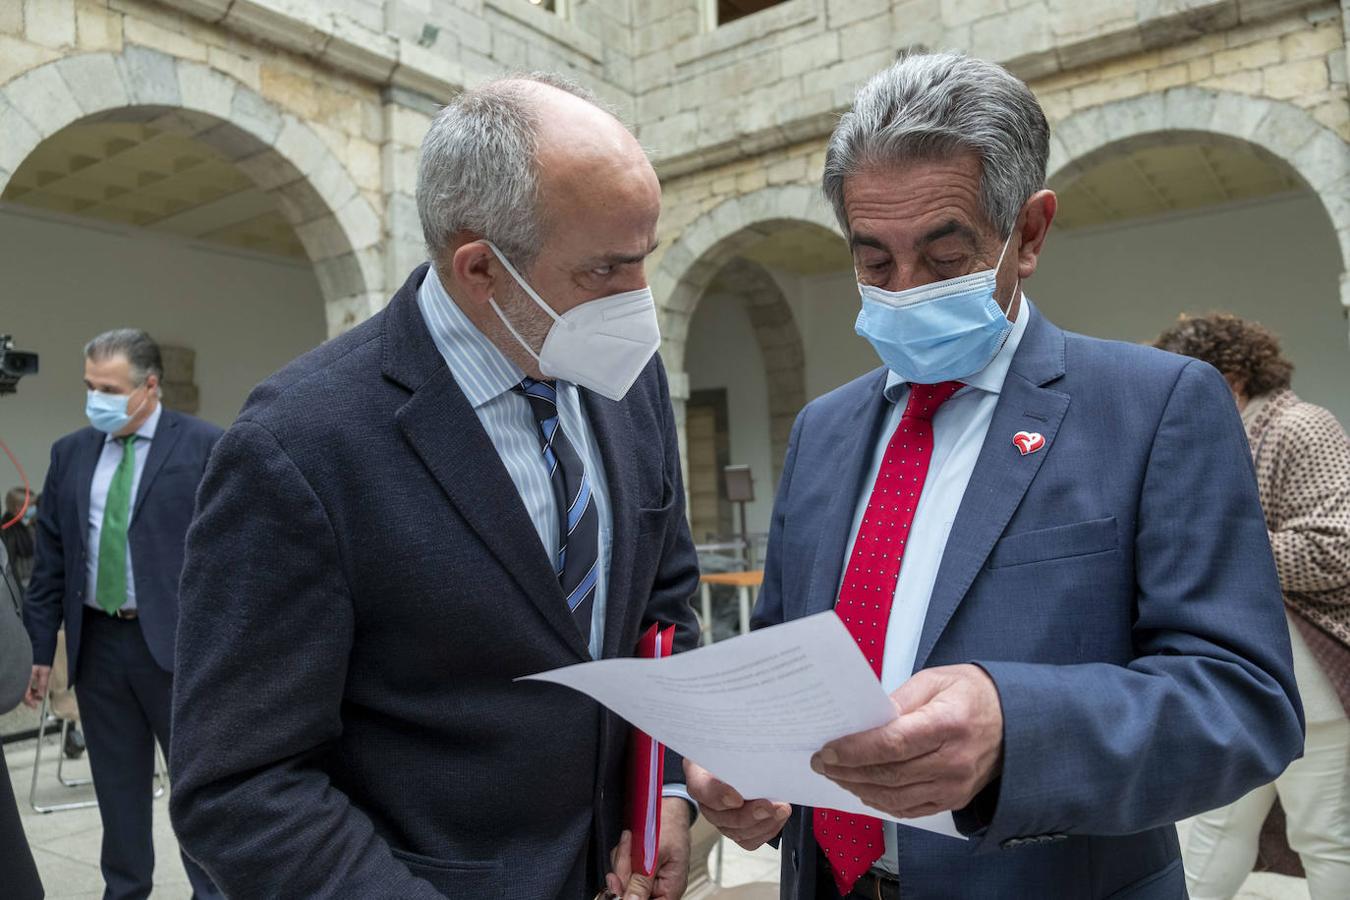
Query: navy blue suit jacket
x=363 y=586
x=158 y=530
x=1119 y=588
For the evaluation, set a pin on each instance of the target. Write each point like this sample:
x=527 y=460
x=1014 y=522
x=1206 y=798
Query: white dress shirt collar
x=482 y=370
x=148 y=428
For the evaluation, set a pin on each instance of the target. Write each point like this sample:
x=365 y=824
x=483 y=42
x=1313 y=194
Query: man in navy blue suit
x=1049 y=547
x=111 y=532
x=480 y=482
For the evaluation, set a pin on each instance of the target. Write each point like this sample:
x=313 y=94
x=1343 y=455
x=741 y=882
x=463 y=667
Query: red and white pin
x=1028 y=441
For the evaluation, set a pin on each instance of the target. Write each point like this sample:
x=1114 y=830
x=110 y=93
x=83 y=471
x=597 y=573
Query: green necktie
x=112 y=539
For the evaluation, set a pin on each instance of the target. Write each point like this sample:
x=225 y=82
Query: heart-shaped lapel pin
x=1028 y=441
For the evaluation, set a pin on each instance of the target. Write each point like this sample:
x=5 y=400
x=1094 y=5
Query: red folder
x=646 y=764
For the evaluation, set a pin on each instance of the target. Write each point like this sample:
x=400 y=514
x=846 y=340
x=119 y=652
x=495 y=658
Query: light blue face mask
x=944 y=331
x=108 y=412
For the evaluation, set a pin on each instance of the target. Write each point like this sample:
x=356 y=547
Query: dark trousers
x=17 y=869
x=125 y=703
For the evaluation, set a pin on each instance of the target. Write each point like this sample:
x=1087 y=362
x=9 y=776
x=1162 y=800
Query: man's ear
x=471 y=265
x=1037 y=214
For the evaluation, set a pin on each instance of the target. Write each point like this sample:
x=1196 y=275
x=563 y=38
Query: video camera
x=14 y=364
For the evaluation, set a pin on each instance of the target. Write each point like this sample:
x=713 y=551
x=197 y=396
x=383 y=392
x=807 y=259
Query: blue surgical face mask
x=944 y=331
x=108 y=412
x=29 y=514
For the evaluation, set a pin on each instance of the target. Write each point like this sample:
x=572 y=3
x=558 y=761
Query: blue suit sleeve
x=42 y=605
x=1207 y=709
x=769 y=608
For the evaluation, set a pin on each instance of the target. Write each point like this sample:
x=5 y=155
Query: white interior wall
x=1275 y=261
x=65 y=281
x=723 y=353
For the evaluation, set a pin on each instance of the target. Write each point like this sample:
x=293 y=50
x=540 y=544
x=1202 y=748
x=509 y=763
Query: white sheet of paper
x=753 y=709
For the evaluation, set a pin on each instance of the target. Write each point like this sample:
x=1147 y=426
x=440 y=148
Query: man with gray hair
x=480 y=482
x=109 y=552
x=1048 y=547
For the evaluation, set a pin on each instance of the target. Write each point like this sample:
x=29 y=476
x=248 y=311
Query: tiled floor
x=66 y=844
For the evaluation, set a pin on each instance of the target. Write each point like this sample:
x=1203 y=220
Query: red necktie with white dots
x=852 y=843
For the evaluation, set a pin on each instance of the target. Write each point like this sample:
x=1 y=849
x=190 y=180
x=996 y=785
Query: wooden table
x=743 y=582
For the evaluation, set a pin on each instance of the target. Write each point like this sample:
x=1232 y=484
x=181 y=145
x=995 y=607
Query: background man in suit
x=1059 y=536
x=111 y=530
x=506 y=424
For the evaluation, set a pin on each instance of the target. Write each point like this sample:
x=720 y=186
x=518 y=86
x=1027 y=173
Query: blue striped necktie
x=577 y=558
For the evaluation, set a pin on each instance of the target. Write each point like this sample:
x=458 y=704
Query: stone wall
x=326 y=103
x=1278 y=82
x=782 y=75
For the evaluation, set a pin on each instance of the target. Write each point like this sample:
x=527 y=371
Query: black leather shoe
x=74 y=747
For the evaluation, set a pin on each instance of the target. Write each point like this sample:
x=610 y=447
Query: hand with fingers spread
x=672 y=859
x=944 y=748
x=750 y=823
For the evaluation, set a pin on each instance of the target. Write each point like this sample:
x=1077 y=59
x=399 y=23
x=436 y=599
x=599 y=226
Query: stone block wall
x=178 y=387
x=782 y=75
x=1278 y=82
x=1297 y=58
x=591 y=42
x=325 y=104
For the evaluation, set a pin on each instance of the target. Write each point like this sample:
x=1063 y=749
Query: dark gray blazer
x=362 y=586
x=158 y=529
x=1118 y=587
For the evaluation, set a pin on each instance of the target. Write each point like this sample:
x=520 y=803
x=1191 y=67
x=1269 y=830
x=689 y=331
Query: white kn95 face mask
x=602 y=345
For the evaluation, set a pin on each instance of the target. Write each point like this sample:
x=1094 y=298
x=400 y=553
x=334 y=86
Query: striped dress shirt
x=487 y=377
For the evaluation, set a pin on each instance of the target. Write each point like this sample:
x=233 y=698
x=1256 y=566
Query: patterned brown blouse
x=1302 y=458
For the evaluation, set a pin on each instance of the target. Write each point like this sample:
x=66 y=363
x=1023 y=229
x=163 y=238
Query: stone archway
x=339 y=229
x=713 y=239
x=780 y=343
x=704 y=250
x=1314 y=152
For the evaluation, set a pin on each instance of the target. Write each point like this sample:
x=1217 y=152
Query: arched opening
x=1161 y=223
x=771 y=329
x=187 y=205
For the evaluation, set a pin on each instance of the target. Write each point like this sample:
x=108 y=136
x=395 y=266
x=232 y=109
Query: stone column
x=178 y=387
x=407 y=115
x=679 y=398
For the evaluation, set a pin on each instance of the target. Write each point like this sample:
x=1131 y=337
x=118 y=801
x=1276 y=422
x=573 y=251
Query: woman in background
x=1302 y=459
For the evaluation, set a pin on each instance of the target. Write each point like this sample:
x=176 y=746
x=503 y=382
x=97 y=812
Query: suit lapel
x=1002 y=474
x=613 y=433
x=443 y=430
x=166 y=437
x=863 y=423
x=85 y=463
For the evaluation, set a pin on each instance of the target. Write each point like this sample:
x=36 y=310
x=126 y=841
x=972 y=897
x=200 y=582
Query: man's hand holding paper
x=753 y=711
x=750 y=823
x=934 y=758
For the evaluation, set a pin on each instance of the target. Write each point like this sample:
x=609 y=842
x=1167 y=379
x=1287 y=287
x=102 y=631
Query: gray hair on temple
x=478 y=171
x=935 y=105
